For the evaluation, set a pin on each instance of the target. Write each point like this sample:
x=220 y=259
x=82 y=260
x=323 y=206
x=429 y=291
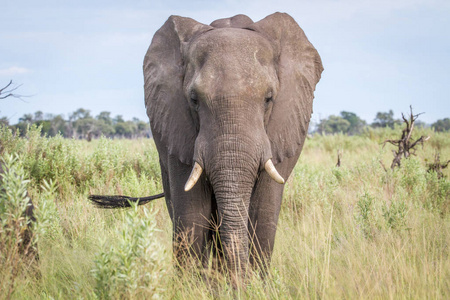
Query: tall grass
x=355 y=231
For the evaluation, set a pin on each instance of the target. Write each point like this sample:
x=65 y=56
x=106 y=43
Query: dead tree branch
x=405 y=146
x=8 y=91
x=437 y=166
x=382 y=164
x=339 y=155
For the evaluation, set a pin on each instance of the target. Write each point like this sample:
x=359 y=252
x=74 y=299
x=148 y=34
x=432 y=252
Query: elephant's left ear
x=299 y=70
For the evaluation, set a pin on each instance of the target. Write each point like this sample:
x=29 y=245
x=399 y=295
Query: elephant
x=229 y=106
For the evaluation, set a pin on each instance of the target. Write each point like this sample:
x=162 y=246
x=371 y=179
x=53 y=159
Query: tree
x=105 y=116
x=104 y=127
x=405 y=145
x=385 y=119
x=334 y=124
x=45 y=125
x=7 y=91
x=26 y=118
x=118 y=119
x=24 y=122
x=142 y=128
x=125 y=129
x=39 y=116
x=83 y=126
x=441 y=125
x=57 y=125
x=80 y=113
x=420 y=124
x=4 y=121
x=356 y=123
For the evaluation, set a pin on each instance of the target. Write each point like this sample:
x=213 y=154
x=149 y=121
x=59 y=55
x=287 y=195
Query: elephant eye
x=269 y=98
x=194 y=100
x=268 y=101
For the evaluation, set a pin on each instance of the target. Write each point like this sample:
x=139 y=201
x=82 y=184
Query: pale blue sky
x=378 y=55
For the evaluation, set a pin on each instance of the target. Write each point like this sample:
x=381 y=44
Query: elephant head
x=231 y=100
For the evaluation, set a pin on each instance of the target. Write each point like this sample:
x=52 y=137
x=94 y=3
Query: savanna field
x=356 y=231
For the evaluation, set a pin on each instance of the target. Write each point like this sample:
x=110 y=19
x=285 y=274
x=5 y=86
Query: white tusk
x=195 y=175
x=270 y=168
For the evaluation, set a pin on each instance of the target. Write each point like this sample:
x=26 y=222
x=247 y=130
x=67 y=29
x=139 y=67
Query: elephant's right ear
x=167 y=108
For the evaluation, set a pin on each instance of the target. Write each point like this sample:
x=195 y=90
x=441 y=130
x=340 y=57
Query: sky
x=378 y=55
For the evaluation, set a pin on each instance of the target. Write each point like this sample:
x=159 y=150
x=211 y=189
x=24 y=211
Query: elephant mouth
x=197 y=171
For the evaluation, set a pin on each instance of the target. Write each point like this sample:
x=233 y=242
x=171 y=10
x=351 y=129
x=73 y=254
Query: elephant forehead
x=231 y=60
x=231 y=47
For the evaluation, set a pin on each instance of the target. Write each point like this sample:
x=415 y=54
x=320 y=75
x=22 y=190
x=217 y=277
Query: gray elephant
x=229 y=106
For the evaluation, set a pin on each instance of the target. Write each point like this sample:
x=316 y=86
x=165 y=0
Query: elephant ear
x=169 y=113
x=299 y=69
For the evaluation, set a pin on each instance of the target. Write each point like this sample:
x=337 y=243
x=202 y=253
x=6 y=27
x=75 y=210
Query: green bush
x=17 y=242
x=133 y=267
x=395 y=214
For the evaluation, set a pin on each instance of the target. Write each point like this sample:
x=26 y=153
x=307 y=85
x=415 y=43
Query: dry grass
x=349 y=232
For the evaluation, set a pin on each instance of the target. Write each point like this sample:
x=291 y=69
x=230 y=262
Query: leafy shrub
x=395 y=214
x=19 y=231
x=365 y=214
x=133 y=267
x=16 y=236
x=437 y=194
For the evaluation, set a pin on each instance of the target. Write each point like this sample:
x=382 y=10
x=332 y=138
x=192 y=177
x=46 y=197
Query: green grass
x=351 y=232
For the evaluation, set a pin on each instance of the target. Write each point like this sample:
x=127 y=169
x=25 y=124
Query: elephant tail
x=120 y=201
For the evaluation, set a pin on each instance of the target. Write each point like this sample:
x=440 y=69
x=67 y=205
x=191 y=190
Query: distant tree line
x=349 y=123
x=82 y=125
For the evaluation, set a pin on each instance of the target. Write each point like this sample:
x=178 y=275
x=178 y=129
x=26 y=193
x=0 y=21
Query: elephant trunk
x=232 y=147
x=232 y=174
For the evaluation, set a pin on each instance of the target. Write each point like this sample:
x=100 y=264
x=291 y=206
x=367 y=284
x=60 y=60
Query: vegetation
x=347 y=122
x=441 y=125
x=385 y=119
x=354 y=231
x=81 y=125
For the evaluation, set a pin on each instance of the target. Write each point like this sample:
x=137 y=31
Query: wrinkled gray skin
x=228 y=96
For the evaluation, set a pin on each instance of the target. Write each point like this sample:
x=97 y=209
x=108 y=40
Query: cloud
x=13 y=71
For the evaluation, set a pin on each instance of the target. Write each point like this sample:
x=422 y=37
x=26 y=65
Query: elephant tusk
x=270 y=168
x=195 y=175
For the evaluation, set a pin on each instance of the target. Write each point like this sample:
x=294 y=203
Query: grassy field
x=355 y=232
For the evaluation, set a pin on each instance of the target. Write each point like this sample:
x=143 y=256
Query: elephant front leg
x=264 y=211
x=263 y=218
x=191 y=214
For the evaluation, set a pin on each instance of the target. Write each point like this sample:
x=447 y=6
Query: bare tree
x=437 y=166
x=8 y=91
x=405 y=144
